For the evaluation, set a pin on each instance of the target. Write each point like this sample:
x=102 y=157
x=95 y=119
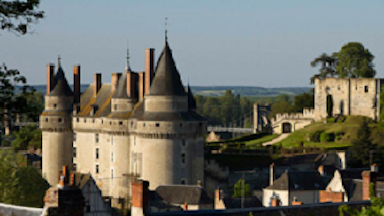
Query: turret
x=56 y=126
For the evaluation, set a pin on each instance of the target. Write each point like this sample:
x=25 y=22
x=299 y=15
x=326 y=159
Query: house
x=294 y=186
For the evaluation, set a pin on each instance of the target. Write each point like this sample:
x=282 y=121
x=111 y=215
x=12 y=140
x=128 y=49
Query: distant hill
x=220 y=90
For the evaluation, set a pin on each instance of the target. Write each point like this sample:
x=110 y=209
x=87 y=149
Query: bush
x=315 y=136
x=339 y=135
x=342 y=119
x=327 y=137
x=330 y=120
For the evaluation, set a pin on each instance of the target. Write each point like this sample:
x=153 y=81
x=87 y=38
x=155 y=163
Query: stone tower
x=167 y=134
x=56 y=125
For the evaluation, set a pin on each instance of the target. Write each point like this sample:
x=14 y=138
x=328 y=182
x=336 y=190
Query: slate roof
x=249 y=202
x=61 y=88
x=121 y=90
x=299 y=180
x=180 y=194
x=167 y=79
x=102 y=100
x=191 y=99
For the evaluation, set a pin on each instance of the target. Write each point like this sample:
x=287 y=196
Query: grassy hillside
x=345 y=132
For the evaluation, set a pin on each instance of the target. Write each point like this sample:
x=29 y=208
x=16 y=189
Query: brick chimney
x=271 y=174
x=185 y=206
x=320 y=169
x=149 y=68
x=97 y=84
x=50 y=77
x=141 y=85
x=114 y=80
x=275 y=202
x=368 y=178
x=139 y=197
x=76 y=83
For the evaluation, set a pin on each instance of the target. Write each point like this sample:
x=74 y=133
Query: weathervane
x=127 y=66
x=58 y=61
x=166 y=30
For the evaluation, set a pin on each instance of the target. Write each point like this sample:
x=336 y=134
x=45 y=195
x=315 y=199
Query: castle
x=143 y=125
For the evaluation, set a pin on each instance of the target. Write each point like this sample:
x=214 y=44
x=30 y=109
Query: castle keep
x=143 y=125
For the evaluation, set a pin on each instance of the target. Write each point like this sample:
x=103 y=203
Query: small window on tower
x=96 y=138
x=157 y=124
x=55 y=106
x=97 y=153
x=77 y=119
x=60 y=119
x=182 y=158
x=365 y=88
x=97 y=168
x=46 y=119
x=74 y=152
x=182 y=181
x=74 y=136
x=111 y=173
x=111 y=156
x=74 y=166
x=120 y=123
x=115 y=107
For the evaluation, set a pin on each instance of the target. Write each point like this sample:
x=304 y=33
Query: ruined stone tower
x=56 y=125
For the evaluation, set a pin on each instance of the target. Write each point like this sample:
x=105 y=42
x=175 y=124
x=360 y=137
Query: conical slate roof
x=191 y=99
x=61 y=88
x=121 y=90
x=167 y=79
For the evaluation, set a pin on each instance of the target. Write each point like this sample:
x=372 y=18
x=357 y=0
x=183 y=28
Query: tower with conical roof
x=56 y=125
x=167 y=135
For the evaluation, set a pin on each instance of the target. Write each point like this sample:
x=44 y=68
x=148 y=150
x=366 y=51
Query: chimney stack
x=271 y=174
x=149 y=68
x=50 y=77
x=320 y=169
x=115 y=80
x=368 y=178
x=76 y=83
x=140 y=197
x=97 y=84
x=141 y=85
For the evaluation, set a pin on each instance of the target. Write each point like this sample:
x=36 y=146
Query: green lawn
x=349 y=129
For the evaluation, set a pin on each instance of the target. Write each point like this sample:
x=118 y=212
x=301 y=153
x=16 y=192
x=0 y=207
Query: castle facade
x=143 y=125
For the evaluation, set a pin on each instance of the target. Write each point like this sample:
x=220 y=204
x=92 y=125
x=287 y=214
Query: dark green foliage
x=27 y=136
x=327 y=137
x=331 y=120
x=329 y=105
x=305 y=100
x=16 y=15
x=342 y=119
x=327 y=69
x=19 y=184
x=362 y=146
x=315 y=136
x=339 y=135
x=355 y=61
x=240 y=189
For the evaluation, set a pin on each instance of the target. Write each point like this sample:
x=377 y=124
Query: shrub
x=315 y=136
x=342 y=119
x=327 y=137
x=330 y=120
x=339 y=135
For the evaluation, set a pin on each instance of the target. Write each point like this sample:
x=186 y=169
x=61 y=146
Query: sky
x=214 y=42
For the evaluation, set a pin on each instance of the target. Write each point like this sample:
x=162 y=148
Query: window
x=365 y=88
x=46 y=119
x=60 y=119
x=97 y=153
x=97 y=168
x=338 y=87
x=74 y=166
x=120 y=123
x=115 y=107
x=111 y=156
x=74 y=137
x=85 y=120
x=55 y=106
x=96 y=138
x=181 y=124
x=182 y=181
x=157 y=125
x=328 y=88
x=111 y=173
x=182 y=158
x=77 y=119
x=74 y=152
x=143 y=124
x=93 y=121
x=183 y=143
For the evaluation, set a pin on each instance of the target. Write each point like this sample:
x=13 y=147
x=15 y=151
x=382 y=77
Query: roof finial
x=166 y=30
x=127 y=66
x=58 y=62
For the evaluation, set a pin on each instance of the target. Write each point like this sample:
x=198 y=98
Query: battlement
x=308 y=113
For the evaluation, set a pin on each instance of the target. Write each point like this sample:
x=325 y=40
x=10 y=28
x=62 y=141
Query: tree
x=240 y=189
x=27 y=136
x=327 y=69
x=280 y=107
x=16 y=15
x=362 y=146
x=305 y=100
x=14 y=93
x=19 y=184
x=355 y=61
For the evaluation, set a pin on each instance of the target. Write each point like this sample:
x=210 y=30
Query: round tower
x=167 y=139
x=56 y=125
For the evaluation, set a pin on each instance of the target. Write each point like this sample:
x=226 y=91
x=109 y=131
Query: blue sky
x=214 y=42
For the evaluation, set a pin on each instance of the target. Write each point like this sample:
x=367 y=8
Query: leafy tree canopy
x=16 y=15
x=27 y=136
x=352 y=61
